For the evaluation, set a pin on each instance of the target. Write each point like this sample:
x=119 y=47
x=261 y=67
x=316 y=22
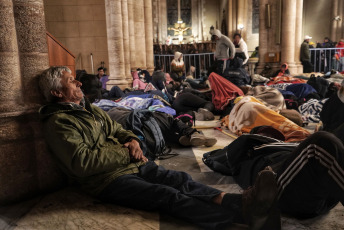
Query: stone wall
x=26 y=168
x=80 y=25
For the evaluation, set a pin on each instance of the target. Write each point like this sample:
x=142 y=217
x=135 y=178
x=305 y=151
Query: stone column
x=33 y=48
x=288 y=34
x=230 y=17
x=298 y=35
x=126 y=38
x=263 y=35
x=115 y=44
x=163 y=20
x=132 y=35
x=10 y=88
x=140 y=38
x=149 y=35
x=241 y=17
x=26 y=167
x=334 y=23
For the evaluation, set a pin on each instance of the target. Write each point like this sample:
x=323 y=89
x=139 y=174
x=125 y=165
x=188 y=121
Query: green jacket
x=304 y=53
x=87 y=144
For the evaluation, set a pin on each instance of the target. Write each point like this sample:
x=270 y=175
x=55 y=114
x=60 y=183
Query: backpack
x=143 y=125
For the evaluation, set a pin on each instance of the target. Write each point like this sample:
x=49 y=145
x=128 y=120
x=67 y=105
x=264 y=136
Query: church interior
x=124 y=37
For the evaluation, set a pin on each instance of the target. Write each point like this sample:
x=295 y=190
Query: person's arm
x=230 y=45
x=79 y=158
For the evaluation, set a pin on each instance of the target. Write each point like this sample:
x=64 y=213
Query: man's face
x=326 y=40
x=70 y=91
x=101 y=72
x=236 y=39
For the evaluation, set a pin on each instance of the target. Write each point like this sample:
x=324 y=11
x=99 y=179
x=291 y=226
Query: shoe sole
x=197 y=141
x=210 y=142
x=184 y=141
x=268 y=200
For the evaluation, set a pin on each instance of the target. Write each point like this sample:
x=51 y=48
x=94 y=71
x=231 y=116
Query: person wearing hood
x=283 y=71
x=177 y=66
x=305 y=55
x=225 y=50
x=240 y=48
x=107 y=161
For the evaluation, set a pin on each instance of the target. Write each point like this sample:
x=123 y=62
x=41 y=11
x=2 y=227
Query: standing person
x=107 y=161
x=225 y=50
x=305 y=55
x=240 y=48
x=102 y=76
x=328 y=53
x=177 y=66
x=340 y=53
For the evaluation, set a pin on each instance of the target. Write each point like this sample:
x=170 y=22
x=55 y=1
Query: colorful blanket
x=249 y=112
x=285 y=79
x=310 y=111
x=223 y=91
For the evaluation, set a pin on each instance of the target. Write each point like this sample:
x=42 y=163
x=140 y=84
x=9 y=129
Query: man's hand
x=135 y=151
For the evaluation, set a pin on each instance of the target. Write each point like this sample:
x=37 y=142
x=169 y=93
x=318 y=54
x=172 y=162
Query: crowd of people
x=325 y=59
x=106 y=139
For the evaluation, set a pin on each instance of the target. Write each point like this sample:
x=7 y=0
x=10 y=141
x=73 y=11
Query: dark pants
x=311 y=182
x=307 y=67
x=116 y=92
x=172 y=129
x=172 y=192
x=188 y=101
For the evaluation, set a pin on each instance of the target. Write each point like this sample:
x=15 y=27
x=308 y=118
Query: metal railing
x=326 y=59
x=201 y=61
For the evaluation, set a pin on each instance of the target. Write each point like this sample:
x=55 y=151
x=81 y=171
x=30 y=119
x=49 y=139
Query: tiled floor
x=70 y=209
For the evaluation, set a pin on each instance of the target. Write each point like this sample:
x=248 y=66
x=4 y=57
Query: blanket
x=310 y=111
x=223 y=91
x=285 y=79
x=271 y=97
x=249 y=112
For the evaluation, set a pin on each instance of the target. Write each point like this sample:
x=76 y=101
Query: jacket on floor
x=87 y=144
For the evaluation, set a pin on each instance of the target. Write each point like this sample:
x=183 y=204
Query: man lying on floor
x=107 y=162
x=310 y=175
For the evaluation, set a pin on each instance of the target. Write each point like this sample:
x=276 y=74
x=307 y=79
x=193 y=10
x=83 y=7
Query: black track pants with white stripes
x=311 y=182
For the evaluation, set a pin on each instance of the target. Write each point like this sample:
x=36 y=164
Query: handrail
x=325 y=59
x=202 y=61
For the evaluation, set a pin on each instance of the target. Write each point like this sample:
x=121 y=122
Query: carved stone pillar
x=126 y=38
x=140 y=38
x=10 y=87
x=263 y=35
x=26 y=168
x=115 y=44
x=334 y=23
x=288 y=34
x=149 y=35
x=132 y=35
x=298 y=35
x=230 y=17
x=242 y=18
x=32 y=45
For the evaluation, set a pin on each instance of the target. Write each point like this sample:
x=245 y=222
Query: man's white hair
x=50 y=80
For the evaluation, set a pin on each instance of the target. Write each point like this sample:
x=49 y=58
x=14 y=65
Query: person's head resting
x=57 y=84
x=216 y=35
x=237 y=38
x=101 y=71
x=91 y=87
